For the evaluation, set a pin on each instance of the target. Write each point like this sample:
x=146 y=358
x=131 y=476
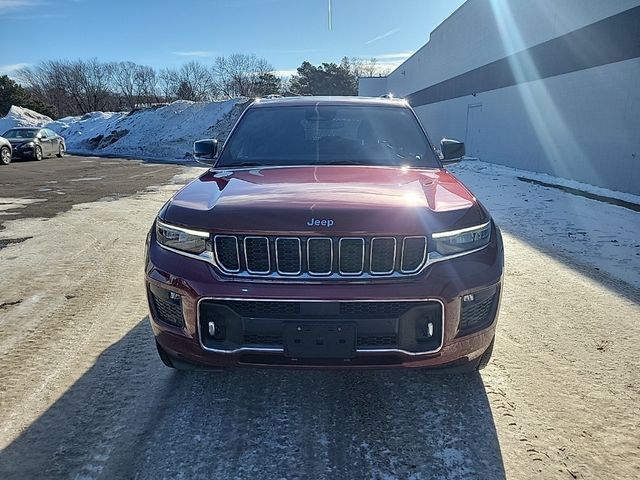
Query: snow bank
x=160 y=133
x=22 y=117
x=590 y=232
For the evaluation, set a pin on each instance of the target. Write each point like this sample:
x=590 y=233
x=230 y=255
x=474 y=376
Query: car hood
x=353 y=200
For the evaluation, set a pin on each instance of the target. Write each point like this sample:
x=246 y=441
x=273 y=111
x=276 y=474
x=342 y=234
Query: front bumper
x=24 y=152
x=385 y=337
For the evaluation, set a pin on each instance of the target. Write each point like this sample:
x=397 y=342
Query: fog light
x=468 y=298
x=174 y=296
x=212 y=329
x=429 y=329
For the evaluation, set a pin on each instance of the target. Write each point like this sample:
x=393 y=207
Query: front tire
x=5 y=156
x=37 y=153
x=60 y=153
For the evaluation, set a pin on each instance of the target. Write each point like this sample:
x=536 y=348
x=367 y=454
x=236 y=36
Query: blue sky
x=166 y=33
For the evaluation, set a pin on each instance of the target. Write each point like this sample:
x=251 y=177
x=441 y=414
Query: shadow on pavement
x=129 y=416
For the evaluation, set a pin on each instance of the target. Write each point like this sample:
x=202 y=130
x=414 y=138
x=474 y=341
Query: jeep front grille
x=332 y=257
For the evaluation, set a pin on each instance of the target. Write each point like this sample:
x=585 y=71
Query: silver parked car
x=35 y=143
x=5 y=151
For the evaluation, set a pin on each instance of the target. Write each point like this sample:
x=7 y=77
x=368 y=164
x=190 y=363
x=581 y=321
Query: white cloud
x=384 y=35
x=393 y=56
x=12 y=68
x=386 y=62
x=7 y=6
x=193 y=53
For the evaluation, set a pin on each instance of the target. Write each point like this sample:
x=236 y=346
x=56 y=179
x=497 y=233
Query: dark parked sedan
x=5 y=151
x=36 y=143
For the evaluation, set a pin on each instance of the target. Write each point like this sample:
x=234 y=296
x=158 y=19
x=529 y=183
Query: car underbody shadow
x=129 y=416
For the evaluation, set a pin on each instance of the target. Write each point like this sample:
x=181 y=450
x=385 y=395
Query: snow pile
x=591 y=232
x=22 y=117
x=161 y=133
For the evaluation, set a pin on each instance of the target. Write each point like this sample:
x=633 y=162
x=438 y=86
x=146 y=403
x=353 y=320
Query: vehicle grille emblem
x=317 y=222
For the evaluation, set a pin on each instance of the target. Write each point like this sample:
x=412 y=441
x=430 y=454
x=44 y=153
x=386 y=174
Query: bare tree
x=146 y=82
x=367 y=67
x=134 y=84
x=123 y=75
x=192 y=81
x=75 y=87
x=166 y=80
x=239 y=75
x=45 y=83
x=91 y=79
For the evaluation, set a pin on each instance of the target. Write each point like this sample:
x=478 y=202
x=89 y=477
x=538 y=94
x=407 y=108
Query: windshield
x=21 y=133
x=328 y=134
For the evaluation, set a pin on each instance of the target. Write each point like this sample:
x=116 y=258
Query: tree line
x=61 y=88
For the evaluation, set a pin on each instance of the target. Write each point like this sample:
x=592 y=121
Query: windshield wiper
x=241 y=164
x=343 y=162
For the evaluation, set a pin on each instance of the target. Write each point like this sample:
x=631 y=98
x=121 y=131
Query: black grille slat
x=351 y=258
x=288 y=256
x=383 y=255
x=375 y=309
x=227 y=253
x=258 y=309
x=286 y=309
x=257 y=256
x=262 y=339
x=476 y=315
x=413 y=253
x=320 y=257
x=168 y=311
x=377 y=340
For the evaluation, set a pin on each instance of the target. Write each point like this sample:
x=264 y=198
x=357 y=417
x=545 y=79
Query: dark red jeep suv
x=326 y=233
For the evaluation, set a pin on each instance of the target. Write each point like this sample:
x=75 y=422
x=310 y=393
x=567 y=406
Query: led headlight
x=460 y=241
x=186 y=240
x=27 y=145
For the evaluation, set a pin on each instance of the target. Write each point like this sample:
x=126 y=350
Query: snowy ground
x=593 y=233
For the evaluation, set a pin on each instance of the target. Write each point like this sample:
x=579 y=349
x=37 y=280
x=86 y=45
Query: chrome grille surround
x=266 y=255
x=344 y=257
x=372 y=249
x=280 y=261
x=402 y=258
x=309 y=259
x=218 y=255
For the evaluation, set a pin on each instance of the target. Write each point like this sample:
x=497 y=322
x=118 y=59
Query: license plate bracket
x=319 y=340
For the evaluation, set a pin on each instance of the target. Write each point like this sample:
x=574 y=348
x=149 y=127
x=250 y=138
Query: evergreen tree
x=12 y=93
x=326 y=79
x=267 y=84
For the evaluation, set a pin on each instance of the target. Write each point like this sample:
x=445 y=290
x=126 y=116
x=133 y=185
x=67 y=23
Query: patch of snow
x=22 y=117
x=490 y=168
x=590 y=232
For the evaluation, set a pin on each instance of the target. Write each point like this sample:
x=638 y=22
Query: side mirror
x=205 y=151
x=452 y=151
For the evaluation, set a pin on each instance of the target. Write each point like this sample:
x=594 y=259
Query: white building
x=547 y=85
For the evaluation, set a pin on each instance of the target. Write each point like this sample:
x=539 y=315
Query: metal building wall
x=549 y=86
